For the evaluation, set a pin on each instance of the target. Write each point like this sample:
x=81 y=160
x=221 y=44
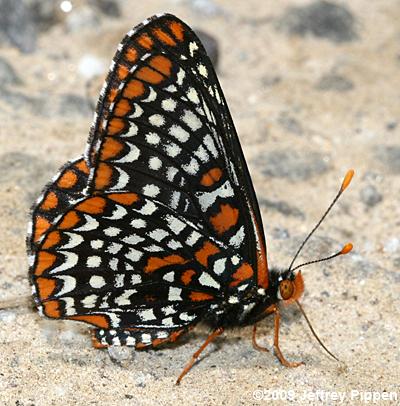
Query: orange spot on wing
x=225 y=219
x=155 y=263
x=122 y=108
x=51 y=309
x=245 y=271
x=82 y=166
x=51 y=239
x=164 y=37
x=131 y=55
x=122 y=72
x=187 y=276
x=112 y=95
x=67 y=180
x=207 y=250
x=177 y=29
x=70 y=220
x=44 y=261
x=124 y=198
x=211 y=177
x=92 y=205
x=110 y=148
x=95 y=319
x=200 y=296
x=45 y=287
x=115 y=126
x=41 y=226
x=103 y=176
x=140 y=346
x=50 y=202
x=149 y=75
x=134 y=88
x=145 y=41
x=162 y=64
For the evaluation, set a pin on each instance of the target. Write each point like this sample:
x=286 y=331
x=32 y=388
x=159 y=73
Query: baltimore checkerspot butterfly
x=157 y=227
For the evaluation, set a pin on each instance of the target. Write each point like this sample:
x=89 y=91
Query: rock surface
x=289 y=127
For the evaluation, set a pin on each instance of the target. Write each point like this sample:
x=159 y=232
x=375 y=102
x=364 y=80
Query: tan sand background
x=310 y=99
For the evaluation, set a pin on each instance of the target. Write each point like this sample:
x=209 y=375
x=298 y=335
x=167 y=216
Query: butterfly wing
x=168 y=224
x=163 y=126
x=123 y=260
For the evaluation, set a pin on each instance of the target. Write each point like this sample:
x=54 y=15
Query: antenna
x=345 y=250
x=345 y=184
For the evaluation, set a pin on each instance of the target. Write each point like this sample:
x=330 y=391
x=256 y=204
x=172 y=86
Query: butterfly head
x=290 y=287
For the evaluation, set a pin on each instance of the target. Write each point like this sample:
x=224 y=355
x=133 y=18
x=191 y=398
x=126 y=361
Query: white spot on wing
x=97 y=281
x=69 y=283
x=206 y=199
x=191 y=120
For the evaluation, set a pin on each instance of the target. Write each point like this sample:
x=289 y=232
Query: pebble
x=390 y=157
x=322 y=19
x=290 y=123
x=109 y=8
x=370 y=196
x=292 y=165
x=334 y=82
x=121 y=356
x=281 y=207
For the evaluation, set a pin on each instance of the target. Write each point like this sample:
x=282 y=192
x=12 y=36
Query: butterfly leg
x=189 y=365
x=278 y=352
x=253 y=339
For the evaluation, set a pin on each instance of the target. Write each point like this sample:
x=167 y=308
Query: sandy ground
x=307 y=108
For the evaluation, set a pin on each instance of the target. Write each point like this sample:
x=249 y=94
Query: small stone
x=290 y=124
x=108 y=7
x=7 y=73
x=322 y=19
x=280 y=233
x=370 y=196
x=292 y=165
x=17 y=27
x=391 y=125
x=211 y=46
x=281 y=207
x=390 y=157
x=334 y=82
x=121 y=356
x=142 y=379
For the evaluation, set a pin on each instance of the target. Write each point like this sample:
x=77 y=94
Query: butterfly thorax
x=246 y=306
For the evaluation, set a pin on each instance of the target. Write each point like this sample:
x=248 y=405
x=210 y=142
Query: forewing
x=163 y=126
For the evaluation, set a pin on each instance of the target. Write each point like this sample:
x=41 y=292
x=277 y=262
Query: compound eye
x=286 y=289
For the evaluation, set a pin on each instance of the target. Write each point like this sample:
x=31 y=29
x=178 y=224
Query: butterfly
x=157 y=227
